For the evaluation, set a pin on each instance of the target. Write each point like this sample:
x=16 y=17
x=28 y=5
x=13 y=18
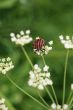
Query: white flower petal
x=2 y=104
x=72 y=87
x=45 y=68
x=21 y=39
x=39 y=78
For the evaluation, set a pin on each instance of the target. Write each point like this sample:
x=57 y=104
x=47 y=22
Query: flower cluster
x=68 y=42
x=39 y=78
x=40 y=48
x=22 y=38
x=59 y=107
x=2 y=104
x=5 y=65
x=72 y=87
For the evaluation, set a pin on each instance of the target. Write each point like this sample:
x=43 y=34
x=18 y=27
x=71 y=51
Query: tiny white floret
x=72 y=87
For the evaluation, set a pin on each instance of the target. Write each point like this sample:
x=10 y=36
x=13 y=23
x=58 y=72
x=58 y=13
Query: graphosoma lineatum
x=38 y=44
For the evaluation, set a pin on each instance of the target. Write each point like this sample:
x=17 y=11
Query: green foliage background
x=47 y=19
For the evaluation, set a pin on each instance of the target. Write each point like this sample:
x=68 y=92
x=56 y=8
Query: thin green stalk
x=49 y=94
x=24 y=51
x=54 y=94
x=64 y=82
x=43 y=99
x=71 y=107
x=43 y=59
x=17 y=86
x=68 y=100
x=51 y=86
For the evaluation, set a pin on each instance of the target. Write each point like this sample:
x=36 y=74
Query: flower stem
x=54 y=94
x=43 y=99
x=51 y=86
x=64 y=82
x=24 y=51
x=43 y=59
x=26 y=93
x=49 y=94
x=68 y=100
x=71 y=107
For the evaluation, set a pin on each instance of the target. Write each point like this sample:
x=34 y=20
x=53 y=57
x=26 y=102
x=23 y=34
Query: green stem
x=68 y=100
x=51 y=86
x=17 y=86
x=24 y=51
x=71 y=106
x=43 y=59
x=43 y=99
x=64 y=82
x=54 y=94
x=49 y=95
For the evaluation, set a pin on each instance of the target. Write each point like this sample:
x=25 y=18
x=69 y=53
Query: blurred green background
x=47 y=19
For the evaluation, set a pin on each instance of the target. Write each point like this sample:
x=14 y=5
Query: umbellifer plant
x=39 y=78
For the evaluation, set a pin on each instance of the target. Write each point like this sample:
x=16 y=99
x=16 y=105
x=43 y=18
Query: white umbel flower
x=65 y=107
x=47 y=49
x=6 y=65
x=50 y=42
x=39 y=78
x=45 y=68
x=53 y=106
x=22 y=38
x=2 y=104
x=72 y=87
x=40 y=47
x=59 y=107
x=67 y=42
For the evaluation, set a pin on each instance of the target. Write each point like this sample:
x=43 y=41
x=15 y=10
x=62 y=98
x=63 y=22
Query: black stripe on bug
x=38 y=45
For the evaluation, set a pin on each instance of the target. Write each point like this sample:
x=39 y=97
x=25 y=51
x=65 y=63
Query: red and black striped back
x=38 y=44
